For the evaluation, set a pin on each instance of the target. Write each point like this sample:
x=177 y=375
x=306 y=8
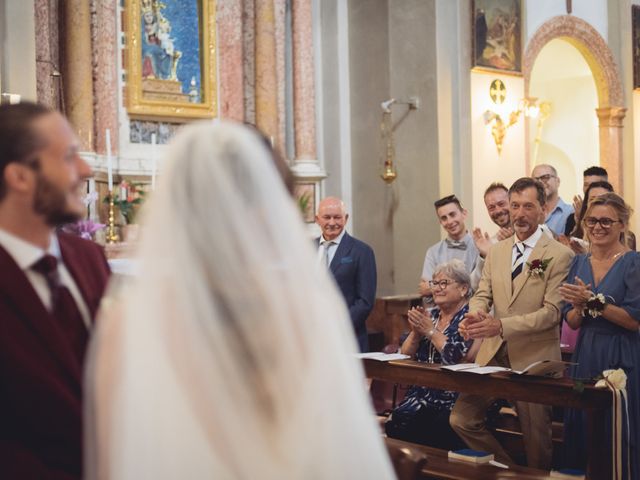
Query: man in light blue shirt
x=458 y=244
x=557 y=209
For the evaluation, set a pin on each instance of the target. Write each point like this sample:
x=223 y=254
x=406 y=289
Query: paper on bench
x=381 y=356
x=474 y=368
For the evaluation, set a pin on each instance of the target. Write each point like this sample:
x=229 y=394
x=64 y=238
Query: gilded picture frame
x=497 y=36
x=170 y=59
x=635 y=21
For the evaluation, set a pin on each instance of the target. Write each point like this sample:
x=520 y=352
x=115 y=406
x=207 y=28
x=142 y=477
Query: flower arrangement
x=538 y=266
x=616 y=379
x=127 y=198
x=85 y=228
x=595 y=305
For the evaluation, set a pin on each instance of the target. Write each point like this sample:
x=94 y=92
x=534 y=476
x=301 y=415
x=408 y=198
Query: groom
x=50 y=287
x=524 y=327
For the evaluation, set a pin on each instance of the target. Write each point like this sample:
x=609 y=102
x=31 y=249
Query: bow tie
x=455 y=244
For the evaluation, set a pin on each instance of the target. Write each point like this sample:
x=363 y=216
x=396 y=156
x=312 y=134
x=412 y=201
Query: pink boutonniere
x=538 y=267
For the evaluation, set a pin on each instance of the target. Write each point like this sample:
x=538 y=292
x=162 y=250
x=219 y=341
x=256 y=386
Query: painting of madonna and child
x=170 y=50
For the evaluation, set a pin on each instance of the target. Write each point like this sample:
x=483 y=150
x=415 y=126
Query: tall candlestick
x=154 y=161
x=109 y=165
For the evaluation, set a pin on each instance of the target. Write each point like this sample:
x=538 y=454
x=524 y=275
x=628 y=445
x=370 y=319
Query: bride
x=229 y=355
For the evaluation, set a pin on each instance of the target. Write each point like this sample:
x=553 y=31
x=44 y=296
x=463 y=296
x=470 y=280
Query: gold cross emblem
x=497 y=91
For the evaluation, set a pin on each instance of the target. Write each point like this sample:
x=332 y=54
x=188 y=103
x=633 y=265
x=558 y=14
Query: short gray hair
x=456 y=270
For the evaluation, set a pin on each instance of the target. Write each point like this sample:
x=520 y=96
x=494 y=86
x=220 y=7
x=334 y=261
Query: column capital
x=611 y=116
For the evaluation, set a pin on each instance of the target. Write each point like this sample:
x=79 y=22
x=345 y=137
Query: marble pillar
x=105 y=60
x=280 y=13
x=47 y=53
x=249 y=60
x=77 y=71
x=610 y=123
x=303 y=82
x=266 y=88
x=230 y=40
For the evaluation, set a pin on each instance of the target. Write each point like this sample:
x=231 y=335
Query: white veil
x=229 y=356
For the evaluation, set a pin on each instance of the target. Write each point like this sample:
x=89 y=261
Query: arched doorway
x=610 y=105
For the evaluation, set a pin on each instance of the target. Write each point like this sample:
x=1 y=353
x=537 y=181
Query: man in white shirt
x=50 y=287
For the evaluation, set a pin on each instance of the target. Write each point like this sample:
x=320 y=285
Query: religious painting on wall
x=635 y=14
x=497 y=44
x=170 y=51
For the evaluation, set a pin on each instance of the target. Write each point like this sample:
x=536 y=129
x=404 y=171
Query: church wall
x=537 y=12
x=18 y=52
x=413 y=72
x=369 y=79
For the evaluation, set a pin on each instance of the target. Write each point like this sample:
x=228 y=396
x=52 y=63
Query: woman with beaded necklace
x=603 y=300
x=423 y=416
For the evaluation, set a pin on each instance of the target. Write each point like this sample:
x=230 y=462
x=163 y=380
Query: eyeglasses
x=604 y=222
x=545 y=178
x=441 y=284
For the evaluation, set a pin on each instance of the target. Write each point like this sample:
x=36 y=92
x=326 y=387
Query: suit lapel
x=505 y=266
x=536 y=253
x=23 y=299
x=74 y=265
x=344 y=247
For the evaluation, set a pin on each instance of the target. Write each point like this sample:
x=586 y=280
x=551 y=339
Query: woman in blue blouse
x=423 y=416
x=603 y=300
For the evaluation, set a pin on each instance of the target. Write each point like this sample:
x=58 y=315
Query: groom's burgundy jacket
x=40 y=378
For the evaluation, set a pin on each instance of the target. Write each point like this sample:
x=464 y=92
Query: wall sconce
x=529 y=107
x=389 y=172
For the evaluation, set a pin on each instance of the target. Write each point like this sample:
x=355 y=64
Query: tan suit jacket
x=529 y=308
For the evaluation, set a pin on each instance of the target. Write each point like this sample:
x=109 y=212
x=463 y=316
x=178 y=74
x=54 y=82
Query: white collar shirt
x=530 y=244
x=26 y=254
x=331 y=249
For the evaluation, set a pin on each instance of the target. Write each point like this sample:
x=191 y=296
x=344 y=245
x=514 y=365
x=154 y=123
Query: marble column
x=280 y=8
x=47 y=54
x=105 y=62
x=303 y=82
x=610 y=122
x=230 y=39
x=77 y=72
x=249 y=60
x=266 y=87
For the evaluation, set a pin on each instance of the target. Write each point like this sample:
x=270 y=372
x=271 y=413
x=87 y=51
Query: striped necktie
x=516 y=269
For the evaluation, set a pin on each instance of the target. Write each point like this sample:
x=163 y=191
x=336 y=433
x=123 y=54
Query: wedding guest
x=589 y=176
x=229 y=356
x=458 y=244
x=557 y=210
x=603 y=300
x=423 y=415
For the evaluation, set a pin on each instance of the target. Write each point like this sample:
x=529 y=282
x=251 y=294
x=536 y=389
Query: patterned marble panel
x=230 y=63
x=140 y=131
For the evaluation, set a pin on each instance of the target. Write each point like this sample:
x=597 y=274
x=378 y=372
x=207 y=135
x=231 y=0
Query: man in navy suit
x=351 y=262
x=50 y=288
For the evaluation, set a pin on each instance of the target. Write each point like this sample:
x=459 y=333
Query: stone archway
x=596 y=52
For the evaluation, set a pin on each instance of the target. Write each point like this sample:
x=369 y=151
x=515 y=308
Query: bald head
x=332 y=216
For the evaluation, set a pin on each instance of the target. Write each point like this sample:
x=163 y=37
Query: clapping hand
x=420 y=320
x=479 y=325
x=577 y=205
x=577 y=294
x=423 y=288
x=504 y=233
x=482 y=241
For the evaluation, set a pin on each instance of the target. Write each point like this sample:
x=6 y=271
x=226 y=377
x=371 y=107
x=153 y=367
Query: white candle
x=109 y=166
x=154 y=161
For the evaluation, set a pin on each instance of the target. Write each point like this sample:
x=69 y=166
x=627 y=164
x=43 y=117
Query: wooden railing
x=548 y=391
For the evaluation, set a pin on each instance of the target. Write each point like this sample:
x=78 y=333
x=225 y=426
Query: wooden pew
x=547 y=391
x=438 y=465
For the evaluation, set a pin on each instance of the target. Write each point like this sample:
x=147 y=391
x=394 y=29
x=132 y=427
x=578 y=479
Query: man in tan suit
x=524 y=327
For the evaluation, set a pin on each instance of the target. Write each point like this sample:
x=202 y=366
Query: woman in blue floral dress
x=603 y=300
x=423 y=416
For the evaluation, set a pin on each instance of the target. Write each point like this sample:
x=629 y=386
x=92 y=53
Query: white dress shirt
x=331 y=252
x=26 y=254
x=529 y=242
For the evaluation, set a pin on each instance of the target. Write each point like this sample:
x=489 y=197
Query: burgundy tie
x=63 y=306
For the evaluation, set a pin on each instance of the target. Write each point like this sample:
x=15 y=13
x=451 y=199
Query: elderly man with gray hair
x=423 y=416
